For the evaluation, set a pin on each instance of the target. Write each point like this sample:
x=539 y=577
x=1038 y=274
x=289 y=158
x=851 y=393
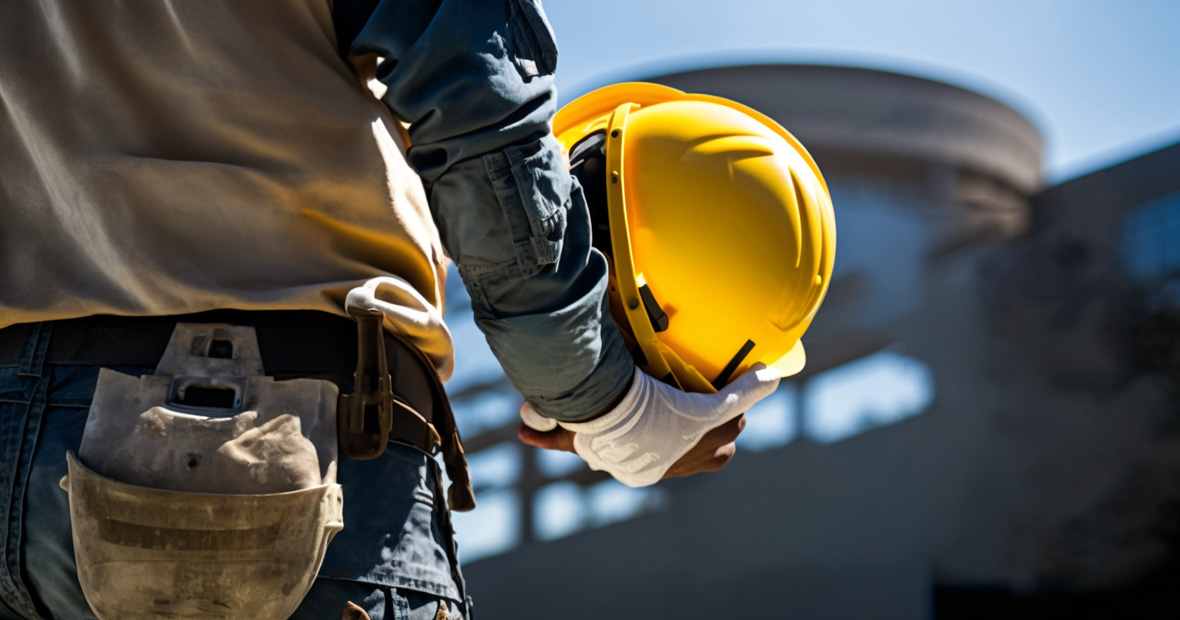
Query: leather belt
x=292 y=343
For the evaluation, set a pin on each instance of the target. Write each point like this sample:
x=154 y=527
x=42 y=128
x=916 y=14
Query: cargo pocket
x=534 y=197
x=533 y=47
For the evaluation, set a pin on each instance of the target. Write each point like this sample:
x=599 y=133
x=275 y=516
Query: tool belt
x=396 y=392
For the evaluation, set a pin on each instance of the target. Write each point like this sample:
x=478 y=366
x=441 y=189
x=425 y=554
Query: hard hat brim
x=791 y=363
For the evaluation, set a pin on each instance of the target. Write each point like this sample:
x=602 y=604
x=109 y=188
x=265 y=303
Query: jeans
x=395 y=557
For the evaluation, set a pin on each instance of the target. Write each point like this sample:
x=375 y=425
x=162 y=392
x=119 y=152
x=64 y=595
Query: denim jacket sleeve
x=474 y=78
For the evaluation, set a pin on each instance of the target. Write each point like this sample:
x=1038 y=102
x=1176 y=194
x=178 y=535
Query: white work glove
x=655 y=424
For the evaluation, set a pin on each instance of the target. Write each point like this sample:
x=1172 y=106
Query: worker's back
x=173 y=157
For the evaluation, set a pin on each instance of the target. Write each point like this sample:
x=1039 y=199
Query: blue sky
x=1100 y=79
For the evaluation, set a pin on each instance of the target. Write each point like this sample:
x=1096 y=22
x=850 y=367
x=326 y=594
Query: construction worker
x=204 y=205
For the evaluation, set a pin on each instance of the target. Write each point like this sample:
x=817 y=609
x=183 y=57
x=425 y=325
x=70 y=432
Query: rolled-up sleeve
x=474 y=79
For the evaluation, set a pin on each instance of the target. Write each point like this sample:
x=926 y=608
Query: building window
x=771 y=423
x=491 y=529
x=559 y=510
x=873 y=391
x=564 y=508
x=497 y=467
x=495 y=526
x=558 y=464
x=1151 y=238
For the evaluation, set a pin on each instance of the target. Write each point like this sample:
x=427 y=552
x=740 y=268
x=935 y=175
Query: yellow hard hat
x=721 y=230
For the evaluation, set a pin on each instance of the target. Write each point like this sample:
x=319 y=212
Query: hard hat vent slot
x=223 y=349
x=214 y=396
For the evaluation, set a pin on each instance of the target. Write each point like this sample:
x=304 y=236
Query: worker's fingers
x=559 y=439
x=754 y=385
x=726 y=433
x=712 y=452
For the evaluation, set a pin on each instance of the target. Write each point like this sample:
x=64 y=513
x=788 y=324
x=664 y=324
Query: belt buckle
x=364 y=418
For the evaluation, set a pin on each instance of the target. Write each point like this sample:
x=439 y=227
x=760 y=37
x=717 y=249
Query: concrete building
x=984 y=421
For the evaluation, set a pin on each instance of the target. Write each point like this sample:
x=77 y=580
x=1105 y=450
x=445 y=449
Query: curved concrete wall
x=877 y=113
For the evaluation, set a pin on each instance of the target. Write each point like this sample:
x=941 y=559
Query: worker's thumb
x=755 y=384
x=353 y=612
x=534 y=420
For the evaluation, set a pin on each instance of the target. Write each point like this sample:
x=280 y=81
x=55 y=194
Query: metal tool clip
x=365 y=417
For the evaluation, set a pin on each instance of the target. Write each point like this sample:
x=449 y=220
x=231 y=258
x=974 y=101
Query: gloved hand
x=655 y=424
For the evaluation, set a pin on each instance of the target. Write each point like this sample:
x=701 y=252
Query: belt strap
x=461 y=495
x=291 y=343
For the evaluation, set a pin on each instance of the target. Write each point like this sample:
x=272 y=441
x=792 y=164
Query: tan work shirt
x=242 y=167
